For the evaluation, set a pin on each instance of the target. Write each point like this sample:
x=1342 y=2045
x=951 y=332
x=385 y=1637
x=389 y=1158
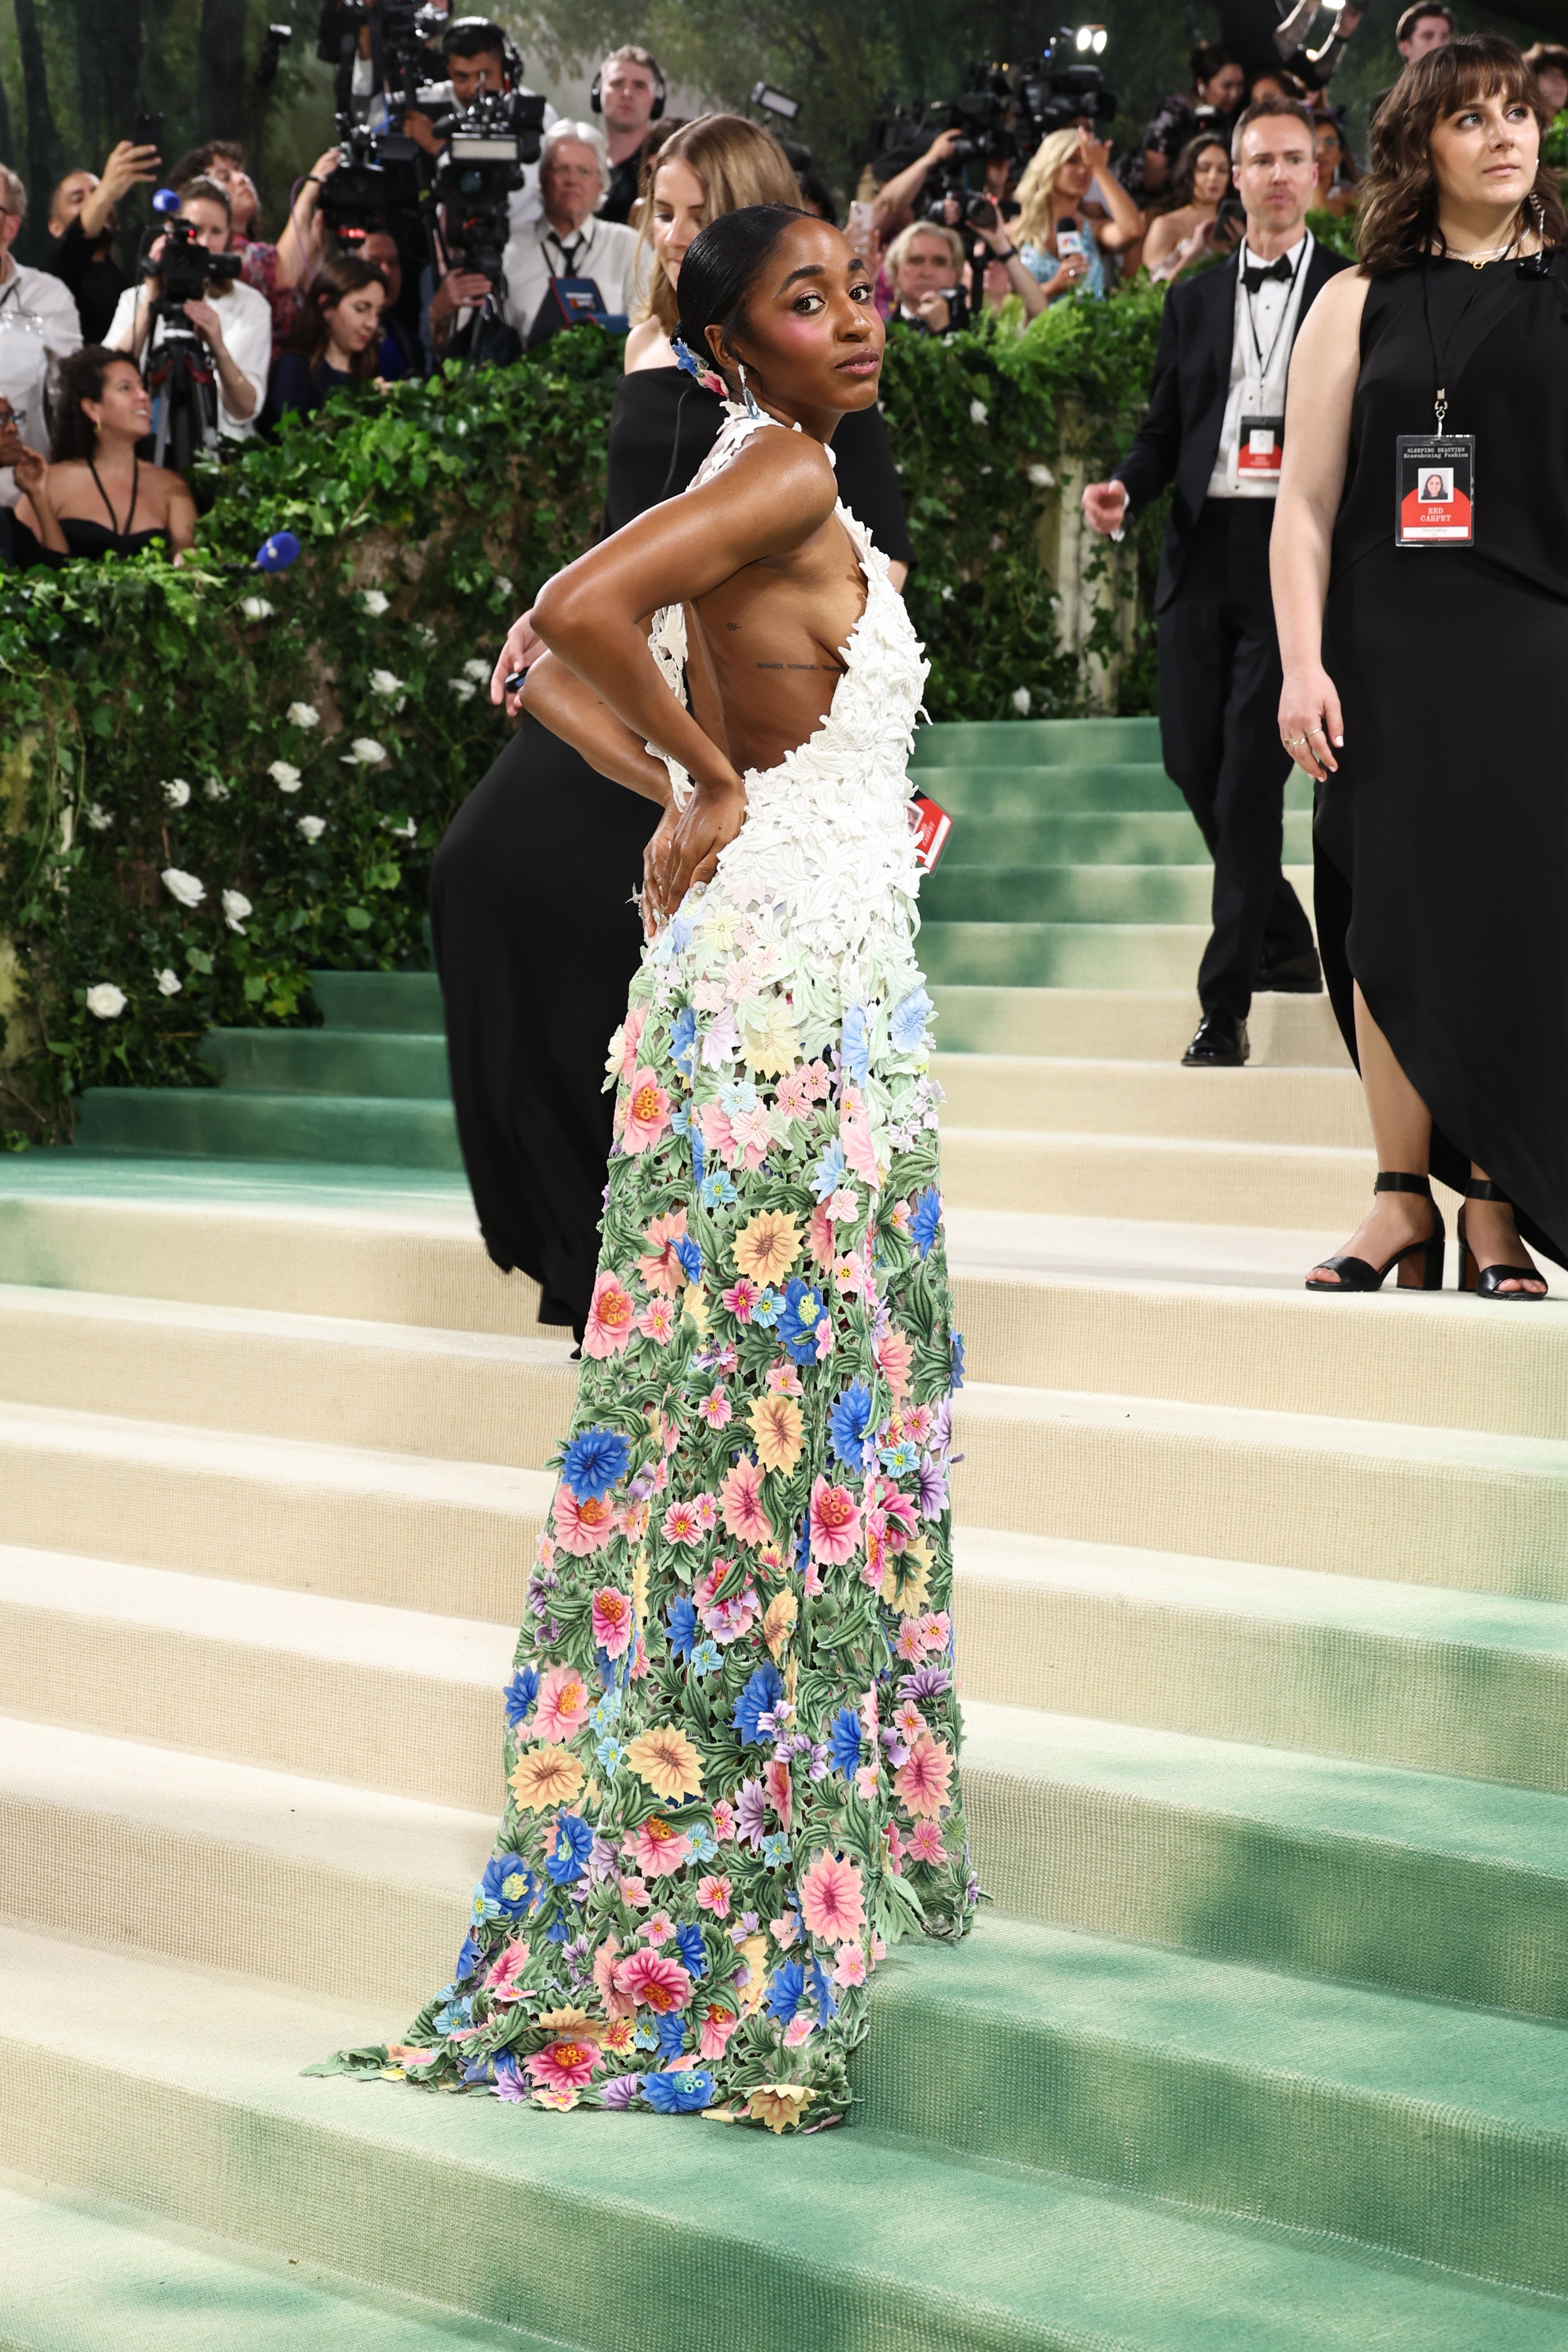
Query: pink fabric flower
x=893 y=1357
x=660 y=1849
x=660 y=1270
x=658 y=1321
x=582 y=1524
x=682 y=1524
x=922 y=1781
x=612 y=1311
x=563 y=1705
x=925 y=1845
x=714 y=1892
x=741 y=1298
x=635 y=1893
x=854 y=1134
x=835 y=1523
x=647 y=1113
x=713 y=2034
x=652 y=1981
x=715 y=1408
x=798 y=2029
x=631 y=1038
x=780 y=1795
x=831 y=1900
x=613 y=1622
x=795 y=1093
x=605 y=1959
x=716 y=1136
x=819 y=1234
x=849 y=1965
x=741 y=1490
x=753 y=1133
x=724 y=1828
x=503 y=1979
x=564 y=2066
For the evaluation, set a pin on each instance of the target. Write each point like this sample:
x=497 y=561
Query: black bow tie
x=1265 y=270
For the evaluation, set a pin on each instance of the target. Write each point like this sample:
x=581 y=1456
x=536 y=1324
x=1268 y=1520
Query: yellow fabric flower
x=754 y=1952
x=666 y=1759
x=773 y=1045
x=639 y=1587
x=782 y=1612
x=573 y=2024
x=768 y=1247
x=776 y=1425
x=780 y=2105
x=907 y=1581
x=695 y=1306
x=546 y=1777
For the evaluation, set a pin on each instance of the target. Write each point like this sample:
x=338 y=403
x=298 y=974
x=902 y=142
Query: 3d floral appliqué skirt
x=732 y=1731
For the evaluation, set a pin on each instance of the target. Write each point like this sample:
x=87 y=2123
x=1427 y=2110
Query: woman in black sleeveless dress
x=537 y=937
x=1433 y=721
x=72 y=504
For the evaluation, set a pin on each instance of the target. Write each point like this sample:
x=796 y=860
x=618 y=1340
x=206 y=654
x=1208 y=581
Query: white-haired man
x=569 y=240
x=38 y=327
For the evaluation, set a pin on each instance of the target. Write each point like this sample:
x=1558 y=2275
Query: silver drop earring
x=748 y=395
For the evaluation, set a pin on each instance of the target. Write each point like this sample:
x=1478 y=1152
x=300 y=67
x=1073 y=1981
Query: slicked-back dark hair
x=722 y=265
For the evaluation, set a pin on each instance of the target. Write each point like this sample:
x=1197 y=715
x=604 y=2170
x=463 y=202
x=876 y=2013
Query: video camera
x=379 y=175
x=178 y=367
x=1003 y=111
x=487 y=147
x=405 y=44
x=184 y=268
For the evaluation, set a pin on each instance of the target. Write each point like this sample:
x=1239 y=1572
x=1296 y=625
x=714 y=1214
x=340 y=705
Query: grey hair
x=13 y=194
x=579 y=134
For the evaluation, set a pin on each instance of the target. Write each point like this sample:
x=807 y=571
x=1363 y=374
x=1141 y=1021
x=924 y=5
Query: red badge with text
x=930 y=825
x=1436 y=490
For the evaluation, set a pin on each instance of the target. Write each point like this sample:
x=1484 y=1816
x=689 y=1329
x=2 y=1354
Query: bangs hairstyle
x=723 y=264
x=1397 y=220
x=742 y=168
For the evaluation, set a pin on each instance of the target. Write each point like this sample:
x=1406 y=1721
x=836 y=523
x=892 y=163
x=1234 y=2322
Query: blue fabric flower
x=927 y=1221
x=849 y=1422
x=685 y=2094
x=683 y=1040
x=828 y=1171
x=681 y=931
x=672 y=2033
x=766 y=1309
x=707 y=1658
x=854 y=1043
x=901 y=1460
x=823 y=1991
x=595 y=1461
x=776 y=1850
x=520 y=1694
x=573 y=1845
x=845 y=1743
x=760 y=1696
x=506 y=1890
x=470 y=1958
x=957 y=1379
x=907 y=1027
x=682 y=1621
x=803 y=1310
x=558 y=1932
x=699 y=1158
x=690 y=1256
x=785 y=1991
x=693 y=1951
x=718 y=1191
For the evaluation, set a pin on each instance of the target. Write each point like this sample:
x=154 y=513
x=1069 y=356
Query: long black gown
x=1442 y=843
x=536 y=936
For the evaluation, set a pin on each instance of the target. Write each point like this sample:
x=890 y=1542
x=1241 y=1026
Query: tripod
x=180 y=377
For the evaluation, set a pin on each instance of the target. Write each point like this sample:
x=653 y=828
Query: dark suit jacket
x=1179 y=436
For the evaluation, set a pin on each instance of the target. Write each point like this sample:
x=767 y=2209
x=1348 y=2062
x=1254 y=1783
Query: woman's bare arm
x=572 y=709
x=1323 y=371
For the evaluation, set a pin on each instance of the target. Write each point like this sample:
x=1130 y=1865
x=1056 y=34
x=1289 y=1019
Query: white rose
x=503 y=583
x=462 y=688
x=107 y=1001
x=98 y=818
x=947 y=595
x=312 y=827
x=479 y=671
x=304 y=714
x=256 y=608
x=217 y=790
x=383 y=682
x=405 y=831
x=376 y=604
x=425 y=632
x=364 y=753
x=177 y=792
x=286 y=777
x=236 y=907
x=1042 y=478
x=1021 y=699
x=169 y=983
x=978 y=412
x=185 y=887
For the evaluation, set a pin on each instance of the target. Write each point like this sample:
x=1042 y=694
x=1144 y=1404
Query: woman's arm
x=36 y=507
x=906 y=185
x=182 y=511
x=572 y=709
x=1125 y=225
x=297 y=245
x=1165 y=233
x=1323 y=371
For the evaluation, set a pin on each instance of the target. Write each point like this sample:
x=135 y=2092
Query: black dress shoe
x=1300 y=975
x=1220 y=1043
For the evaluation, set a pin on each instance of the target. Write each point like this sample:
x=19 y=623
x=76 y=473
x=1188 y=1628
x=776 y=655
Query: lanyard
x=1265 y=364
x=1440 y=362
x=570 y=256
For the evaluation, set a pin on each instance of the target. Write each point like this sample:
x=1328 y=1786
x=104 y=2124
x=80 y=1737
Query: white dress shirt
x=38 y=327
x=603 y=250
x=1262 y=338
x=245 y=317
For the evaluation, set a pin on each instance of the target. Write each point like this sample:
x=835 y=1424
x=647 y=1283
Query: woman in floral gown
x=732 y=1731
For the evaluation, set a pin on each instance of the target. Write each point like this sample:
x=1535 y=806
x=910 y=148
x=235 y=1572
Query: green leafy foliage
x=154 y=717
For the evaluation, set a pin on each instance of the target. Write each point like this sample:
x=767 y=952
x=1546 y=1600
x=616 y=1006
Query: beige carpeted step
x=456 y=1538
x=1473 y=1511
x=1059 y=1097
x=1154 y=1177
x=1128 y=1024
x=465 y=1396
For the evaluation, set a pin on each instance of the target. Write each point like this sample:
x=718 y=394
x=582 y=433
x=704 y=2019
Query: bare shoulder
x=172 y=485
x=792 y=467
x=647 y=346
x=1342 y=300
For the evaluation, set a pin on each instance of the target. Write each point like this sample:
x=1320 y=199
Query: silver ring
x=1316 y=730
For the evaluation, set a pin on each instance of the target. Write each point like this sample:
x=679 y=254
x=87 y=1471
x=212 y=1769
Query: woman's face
x=1212 y=175
x=680 y=209
x=355 y=320
x=1486 y=153
x=1327 y=149
x=244 y=203
x=926 y=268
x=1553 y=84
x=1073 y=180
x=122 y=407
x=812 y=337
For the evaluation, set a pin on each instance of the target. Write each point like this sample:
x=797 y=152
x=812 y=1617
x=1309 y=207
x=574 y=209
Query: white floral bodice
x=827 y=833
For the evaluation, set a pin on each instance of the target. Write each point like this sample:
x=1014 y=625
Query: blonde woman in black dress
x=1423 y=647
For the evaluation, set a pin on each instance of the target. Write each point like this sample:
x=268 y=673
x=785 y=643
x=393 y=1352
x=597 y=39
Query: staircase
x=1263 y=1627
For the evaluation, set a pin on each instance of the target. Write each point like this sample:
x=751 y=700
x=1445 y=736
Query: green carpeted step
x=1124 y=1024
x=328 y=1062
x=1433 y=2131
x=1067 y=894
x=1062 y=955
x=1109 y=787
x=208 y=1122
x=1035 y=742
x=1093 y=837
x=409 y=1000
x=631 y=2233
x=81 y=2274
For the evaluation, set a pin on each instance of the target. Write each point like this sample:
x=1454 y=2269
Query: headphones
x=511 y=55
x=596 y=101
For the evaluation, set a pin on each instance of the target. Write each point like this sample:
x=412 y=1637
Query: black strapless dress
x=536 y=936
x=1442 y=843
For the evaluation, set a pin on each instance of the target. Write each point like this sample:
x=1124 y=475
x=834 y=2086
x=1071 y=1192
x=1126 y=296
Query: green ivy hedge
x=292 y=748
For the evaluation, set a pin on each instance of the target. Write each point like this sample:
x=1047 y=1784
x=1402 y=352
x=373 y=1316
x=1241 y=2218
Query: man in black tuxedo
x=1215 y=427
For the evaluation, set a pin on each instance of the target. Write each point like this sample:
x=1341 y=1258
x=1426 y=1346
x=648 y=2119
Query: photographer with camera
x=277 y=271
x=924 y=266
x=628 y=93
x=1217 y=94
x=482 y=63
x=83 y=224
x=197 y=281
x=38 y=325
x=571 y=239
x=94 y=472
x=1063 y=242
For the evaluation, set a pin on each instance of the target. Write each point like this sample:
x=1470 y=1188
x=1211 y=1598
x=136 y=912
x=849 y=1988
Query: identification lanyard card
x=1435 y=494
x=1259 y=433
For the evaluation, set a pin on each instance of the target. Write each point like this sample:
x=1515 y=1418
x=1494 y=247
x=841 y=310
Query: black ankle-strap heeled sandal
x=1487 y=1281
x=1355 y=1273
